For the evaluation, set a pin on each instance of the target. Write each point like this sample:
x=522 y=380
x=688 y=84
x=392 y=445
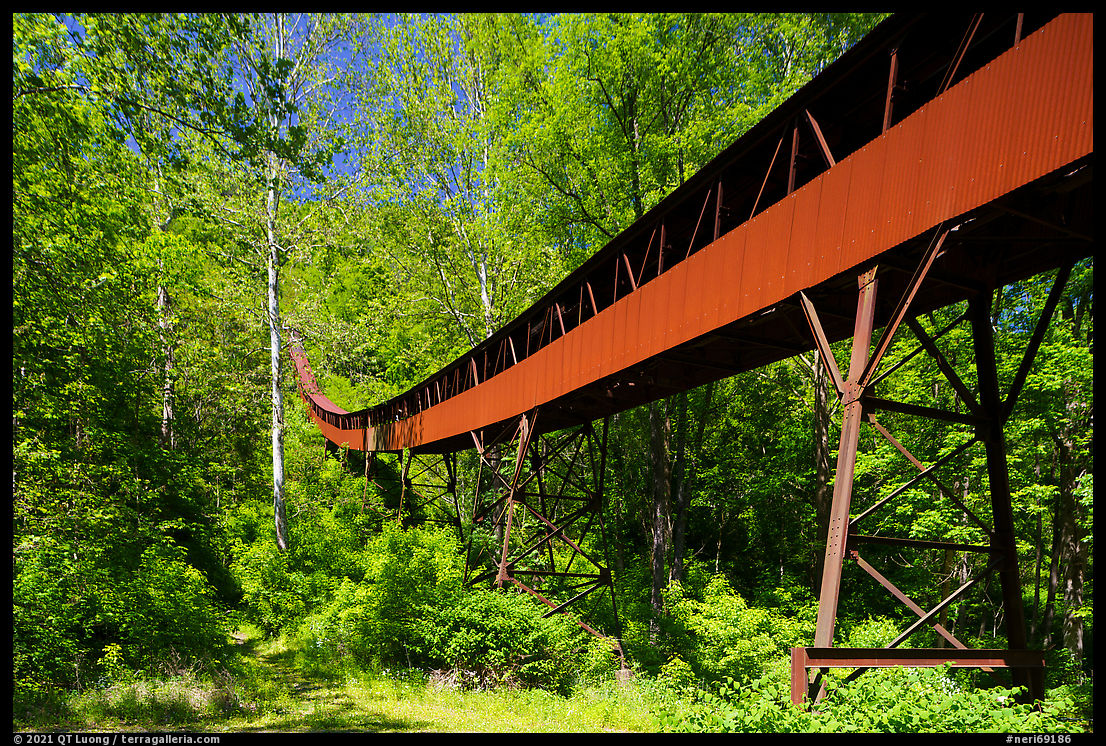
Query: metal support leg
x=525 y=428
x=846 y=461
x=405 y=461
x=979 y=311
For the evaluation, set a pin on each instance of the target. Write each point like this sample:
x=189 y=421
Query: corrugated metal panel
x=880 y=222
x=573 y=365
x=731 y=249
x=861 y=213
x=715 y=288
x=903 y=174
x=802 y=268
x=618 y=347
x=696 y=301
x=779 y=248
x=752 y=267
x=641 y=319
x=673 y=294
x=601 y=346
x=831 y=217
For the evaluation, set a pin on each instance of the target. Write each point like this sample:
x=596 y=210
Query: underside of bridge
x=941 y=158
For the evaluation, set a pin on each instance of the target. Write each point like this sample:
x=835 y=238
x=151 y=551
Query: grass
x=270 y=687
x=273 y=686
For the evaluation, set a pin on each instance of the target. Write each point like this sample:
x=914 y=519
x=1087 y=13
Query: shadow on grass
x=41 y=711
x=283 y=693
x=337 y=719
x=315 y=701
x=139 y=707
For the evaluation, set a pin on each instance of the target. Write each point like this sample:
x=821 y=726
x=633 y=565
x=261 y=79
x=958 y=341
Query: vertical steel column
x=451 y=469
x=525 y=427
x=405 y=464
x=988 y=416
x=794 y=157
x=600 y=482
x=846 y=462
x=979 y=312
x=370 y=458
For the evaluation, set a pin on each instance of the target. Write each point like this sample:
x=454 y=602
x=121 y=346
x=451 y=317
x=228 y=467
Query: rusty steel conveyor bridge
x=940 y=158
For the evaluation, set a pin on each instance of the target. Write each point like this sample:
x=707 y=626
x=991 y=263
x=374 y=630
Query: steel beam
x=1035 y=341
x=846 y=461
x=979 y=312
x=904 y=599
x=892 y=81
x=924 y=473
x=822 y=344
x=921 y=657
x=803 y=659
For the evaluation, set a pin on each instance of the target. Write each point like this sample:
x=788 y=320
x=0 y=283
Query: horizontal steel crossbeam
x=803 y=659
x=919 y=657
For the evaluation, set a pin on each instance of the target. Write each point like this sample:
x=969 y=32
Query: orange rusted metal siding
x=1015 y=120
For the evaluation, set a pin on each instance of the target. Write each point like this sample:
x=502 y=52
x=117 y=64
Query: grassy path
x=273 y=691
x=306 y=702
x=387 y=704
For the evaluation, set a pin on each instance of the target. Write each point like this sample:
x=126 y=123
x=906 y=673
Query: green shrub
x=722 y=636
x=49 y=641
x=378 y=619
x=410 y=609
x=490 y=638
x=76 y=623
x=275 y=594
x=169 y=610
x=896 y=700
x=875 y=632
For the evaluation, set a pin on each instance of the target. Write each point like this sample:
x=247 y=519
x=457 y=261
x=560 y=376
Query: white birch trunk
x=279 y=518
x=165 y=336
x=280 y=521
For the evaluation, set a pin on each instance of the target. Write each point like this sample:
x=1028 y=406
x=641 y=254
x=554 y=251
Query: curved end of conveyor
x=344 y=428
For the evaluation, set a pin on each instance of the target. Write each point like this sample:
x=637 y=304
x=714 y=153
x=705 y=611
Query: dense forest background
x=187 y=189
